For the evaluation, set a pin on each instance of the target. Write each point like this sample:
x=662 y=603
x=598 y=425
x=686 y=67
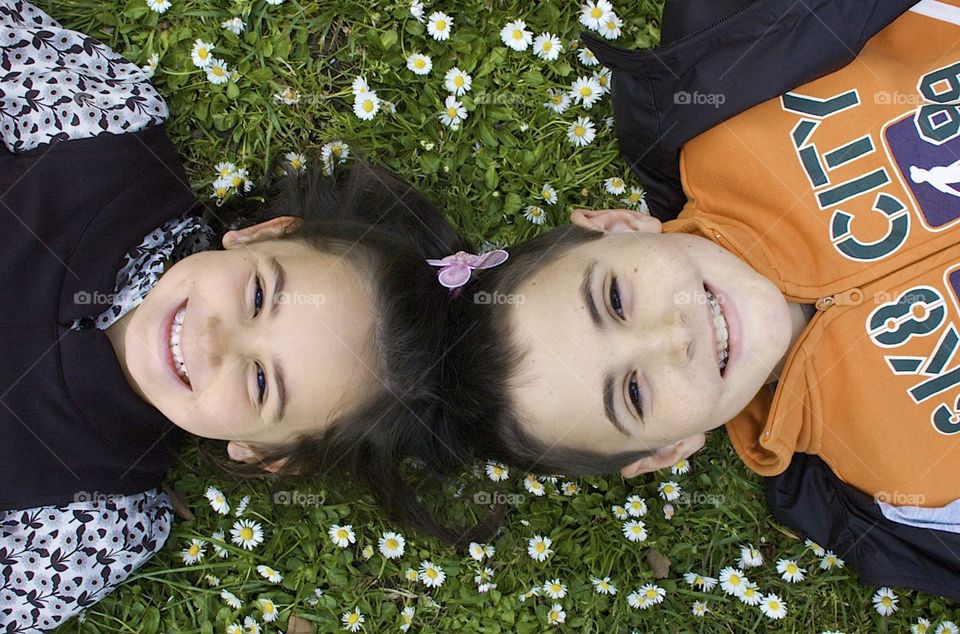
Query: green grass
x=484 y=176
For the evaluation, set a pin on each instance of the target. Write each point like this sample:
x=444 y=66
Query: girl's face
x=276 y=340
x=621 y=347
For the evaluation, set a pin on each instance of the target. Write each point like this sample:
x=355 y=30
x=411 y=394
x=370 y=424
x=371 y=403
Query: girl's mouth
x=172 y=350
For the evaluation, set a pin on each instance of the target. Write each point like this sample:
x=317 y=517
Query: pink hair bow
x=457 y=268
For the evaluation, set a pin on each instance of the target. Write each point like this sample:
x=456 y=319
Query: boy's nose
x=671 y=340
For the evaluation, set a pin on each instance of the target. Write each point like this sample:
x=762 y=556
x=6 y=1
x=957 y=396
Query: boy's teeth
x=720 y=327
x=175 y=347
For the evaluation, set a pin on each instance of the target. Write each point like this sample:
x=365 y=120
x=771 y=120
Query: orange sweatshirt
x=846 y=193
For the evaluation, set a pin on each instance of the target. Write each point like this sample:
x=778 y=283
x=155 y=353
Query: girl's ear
x=260 y=231
x=242 y=452
x=665 y=456
x=615 y=221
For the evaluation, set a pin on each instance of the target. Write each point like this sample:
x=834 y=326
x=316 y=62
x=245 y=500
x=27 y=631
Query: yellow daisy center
x=202 y=53
x=585 y=91
x=548 y=45
x=651 y=594
x=734 y=580
x=353 y=618
x=268 y=608
x=612 y=25
x=579 y=130
x=540 y=548
x=452 y=113
x=367 y=106
x=554 y=615
x=557 y=99
x=886 y=601
x=458 y=81
x=666 y=489
x=441 y=25
x=218 y=71
x=773 y=605
x=596 y=12
x=430 y=572
x=517 y=34
x=392 y=544
x=342 y=534
x=419 y=63
x=407 y=618
x=194 y=549
x=791 y=568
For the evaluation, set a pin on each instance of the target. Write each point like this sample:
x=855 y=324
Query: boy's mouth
x=179 y=366
x=721 y=330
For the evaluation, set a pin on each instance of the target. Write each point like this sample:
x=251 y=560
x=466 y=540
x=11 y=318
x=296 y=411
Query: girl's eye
x=261 y=383
x=615 y=298
x=635 y=396
x=257 y=297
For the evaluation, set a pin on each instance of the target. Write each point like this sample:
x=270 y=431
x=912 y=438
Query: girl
x=306 y=342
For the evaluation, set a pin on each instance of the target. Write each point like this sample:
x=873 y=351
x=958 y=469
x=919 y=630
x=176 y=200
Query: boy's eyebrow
x=588 y=296
x=608 y=404
x=279 y=277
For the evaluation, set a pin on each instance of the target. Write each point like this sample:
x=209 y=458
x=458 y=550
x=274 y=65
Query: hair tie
x=457 y=269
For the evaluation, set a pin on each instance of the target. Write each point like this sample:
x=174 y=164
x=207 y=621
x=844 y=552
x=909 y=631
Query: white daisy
x=947 y=627
x=635 y=531
x=921 y=626
x=610 y=26
x=750 y=557
x=773 y=606
x=538 y=547
x=452 y=115
x=549 y=194
x=830 y=561
x=750 y=595
x=615 y=185
x=699 y=608
x=593 y=12
x=231 y=599
x=367 y=552
x=406 y=618
x=695 y=580
x=439 y=25
x=342 y=536
x=366 y=105
x=547 y=46
x=555 y=589
x=603 y=77
x=885 y=601
x=570 y=489
x=633 y=199
x=636 y=506
x=586 y=90
x=234 y=628
x=556 y=615
x=497 y=471
x=359 y=86
x=213 y=580
x=732 y=581
x=483 y=578
x=516 y=36
x=419 y=63
x=217 y=548
x=193 y=553
x=532 y=592
x=391 y=545
x=234 y=25
x=246 y=533
x=668 y=511
x=636 y=600
x=151 y=66
x=268 y=609
x=269 y=574
x=558 y=101
x=620 y=513
x=223 y=169
x=581 y=132
x=275 y=3
x=221 y=187
x=159 y=5
x=297 y=161
x=478 y=551
x=603 y=586
x=533 y=486
x=431 y=575
x=201 y=53
x=586 y=57
x=250 y=626
x=815 y=547
x=217 y=71
x=217 y=500
x=240 y=174
x=669 y=490
x=683 y=466
x=536 y=215
x=411 y=575
x=457 y=82
x=790 y=571
x=352 y=621
x=647 y=595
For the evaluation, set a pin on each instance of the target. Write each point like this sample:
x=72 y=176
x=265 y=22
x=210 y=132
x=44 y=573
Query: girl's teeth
x=175 y=347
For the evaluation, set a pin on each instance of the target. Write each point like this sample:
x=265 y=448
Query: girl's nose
x=210 y=341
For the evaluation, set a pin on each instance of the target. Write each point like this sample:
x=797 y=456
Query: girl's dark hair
x=385 y=227
x=480 y=366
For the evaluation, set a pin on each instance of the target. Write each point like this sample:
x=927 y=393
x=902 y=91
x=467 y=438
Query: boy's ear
x=242 y=452
x=615 y=221
x=260 y=231
x=665 y=456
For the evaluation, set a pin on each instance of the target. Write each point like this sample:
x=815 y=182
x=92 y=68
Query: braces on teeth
x=720 y=326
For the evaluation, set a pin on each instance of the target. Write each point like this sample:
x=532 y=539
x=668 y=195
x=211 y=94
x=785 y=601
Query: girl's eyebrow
x=279 y=278
x=588 y=296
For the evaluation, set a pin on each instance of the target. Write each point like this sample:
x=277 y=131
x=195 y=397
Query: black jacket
x=749 y=52
x=71 y=425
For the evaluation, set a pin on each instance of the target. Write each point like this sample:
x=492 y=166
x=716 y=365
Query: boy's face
x=317 y=336
x=574 y=385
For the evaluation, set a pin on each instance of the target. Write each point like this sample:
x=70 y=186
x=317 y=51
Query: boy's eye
x=257 y=296
x=261 y=384
x=615 y=297
x=635 y=395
